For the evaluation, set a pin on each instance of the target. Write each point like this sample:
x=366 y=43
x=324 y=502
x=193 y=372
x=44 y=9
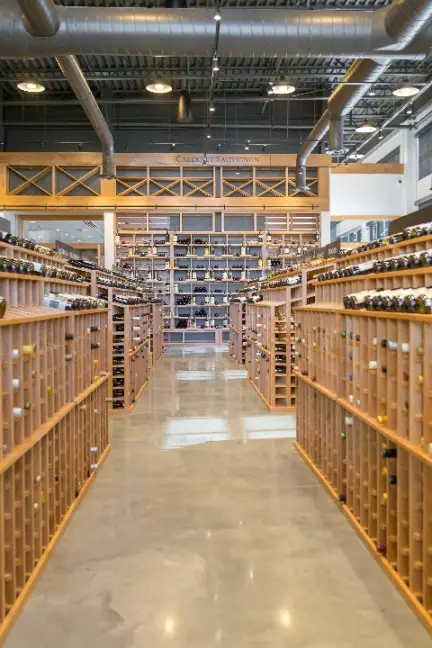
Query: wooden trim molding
x=368 y=168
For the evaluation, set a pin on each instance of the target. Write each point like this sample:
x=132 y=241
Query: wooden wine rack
x=237 y=326
x=364 y=390
x=54 y=432
x=18 y=252
x=407 y=246
x=157 y=332
x=267 y=353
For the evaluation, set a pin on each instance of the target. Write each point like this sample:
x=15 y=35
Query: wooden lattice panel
x=53 y=180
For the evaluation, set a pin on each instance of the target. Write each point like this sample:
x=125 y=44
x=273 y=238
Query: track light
x=380 y=135
x=30 y=86
x=246 y=148
x=158 y=86
x=208 y=135
x=217 y=15
x=212 y=107
x=366 y=127
x=355 y=155
x=409 y=110
x=215 y=66
x=405 y=91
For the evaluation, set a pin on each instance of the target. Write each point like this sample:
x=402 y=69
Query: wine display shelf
x=131 y=356
x=237 y=317
x=54 y=433
x=17 y=252
x=406 y=246
x=364 y=425
x=267 y=349
x=159 y=258
x=333 y=291
x=157 y=333
x=129 y=361
x=292 y=296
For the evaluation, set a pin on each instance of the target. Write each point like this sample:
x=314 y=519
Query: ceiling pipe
x=244 y=32
x=407 y=19
x=41 y=17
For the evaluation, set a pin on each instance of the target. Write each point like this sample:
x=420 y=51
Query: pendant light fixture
x=405 y=91
x=366 y=127
x=184 y=108
x=29 y=85
x=159 y=86
x=282 y=87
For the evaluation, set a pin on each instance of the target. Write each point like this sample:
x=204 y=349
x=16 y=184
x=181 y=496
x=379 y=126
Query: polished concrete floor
x=205 y=528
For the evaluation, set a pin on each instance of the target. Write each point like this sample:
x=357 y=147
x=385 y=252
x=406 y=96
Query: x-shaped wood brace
x=30 y=182
x=77 y=182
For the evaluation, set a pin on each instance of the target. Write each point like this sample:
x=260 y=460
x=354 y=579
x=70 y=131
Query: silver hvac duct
x=40 y=16
x=244 y=31
x=407 y=19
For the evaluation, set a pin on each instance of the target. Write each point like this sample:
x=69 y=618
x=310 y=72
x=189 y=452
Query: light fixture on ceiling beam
x=30 y=86
x=355 y=155
x=159 y=86
x=212 y=107
x=366 y=127
x=409 y=110
x=405 y=91
x=247 y=147
x=282 y=87
x=215 y=64
x=380 y=135
x=217 y=15
x=208 y=135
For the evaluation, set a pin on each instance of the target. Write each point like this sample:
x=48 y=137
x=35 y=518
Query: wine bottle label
x=29 y=349
x=373 y=364
x=17 y=412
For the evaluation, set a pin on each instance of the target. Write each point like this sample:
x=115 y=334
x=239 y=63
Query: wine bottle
x=95 y=345
x=69 y=336
x=2 y=307
x=389 y=453
x=260 y=262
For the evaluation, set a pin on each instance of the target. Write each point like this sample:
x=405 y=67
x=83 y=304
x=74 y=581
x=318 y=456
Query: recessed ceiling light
x=282 y=88
x=217 y=16
x=158 y=86
x=405 y=91
x=366 y=127
x=31 y=86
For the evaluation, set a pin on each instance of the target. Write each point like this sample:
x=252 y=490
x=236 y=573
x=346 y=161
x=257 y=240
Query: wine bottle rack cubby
x=237 y=317
x=364 y=426
x=54 y=429
x=267 y=353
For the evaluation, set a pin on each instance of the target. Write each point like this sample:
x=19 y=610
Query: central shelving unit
x=197 y=271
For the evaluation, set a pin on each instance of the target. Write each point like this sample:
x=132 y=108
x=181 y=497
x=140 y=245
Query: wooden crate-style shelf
x=364 y=425
x=267 y=350
x=54 y=427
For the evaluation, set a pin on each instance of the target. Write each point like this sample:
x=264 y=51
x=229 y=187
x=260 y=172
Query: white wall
x=360 y=195
x=417 y=190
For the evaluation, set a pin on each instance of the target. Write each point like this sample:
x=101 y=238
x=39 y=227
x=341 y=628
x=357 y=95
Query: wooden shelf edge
x=141 y=389
x=376 y=275
x=38 y=255
x=412 y=602
x=89 y=390
x=387 y=432
x=331 y=395
x=271 y=408
x=352 y=312
x=18 y=606
x=43 y=430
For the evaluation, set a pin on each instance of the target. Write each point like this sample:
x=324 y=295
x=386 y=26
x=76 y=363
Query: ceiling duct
x=41 y=17
x=407 y=19
x=244 y=32
x=184 y=108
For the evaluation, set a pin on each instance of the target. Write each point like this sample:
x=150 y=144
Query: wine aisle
x=205 y=528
